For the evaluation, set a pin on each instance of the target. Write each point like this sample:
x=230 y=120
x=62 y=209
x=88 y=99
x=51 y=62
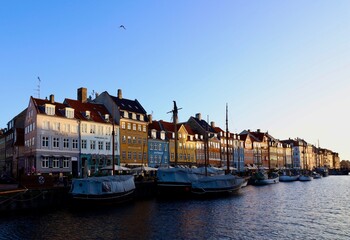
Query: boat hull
x=305 y=178
x=286 y=178
x=103 y=199
x=261 y=182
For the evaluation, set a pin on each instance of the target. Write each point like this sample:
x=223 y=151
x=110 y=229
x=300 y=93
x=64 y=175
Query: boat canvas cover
x=217 y=182
x=176 y=175
x=103 y=185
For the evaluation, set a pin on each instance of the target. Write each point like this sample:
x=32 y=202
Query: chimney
x=258 y=130
x=212 y=124
x=82 y=94
x=149 y=118
x=120 y=94
x=199 y=116
x=52 y=98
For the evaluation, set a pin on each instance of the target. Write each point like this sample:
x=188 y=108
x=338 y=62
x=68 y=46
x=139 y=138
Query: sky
x=280 y=66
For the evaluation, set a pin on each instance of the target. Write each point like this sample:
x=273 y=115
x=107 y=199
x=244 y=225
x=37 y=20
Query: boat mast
x=113 y=141
x=227 y=153
x=175 y=121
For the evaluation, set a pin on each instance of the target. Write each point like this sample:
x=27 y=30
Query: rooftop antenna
x=38 y=87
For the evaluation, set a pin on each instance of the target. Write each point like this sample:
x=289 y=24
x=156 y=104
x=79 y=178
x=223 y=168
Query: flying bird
x=122 y=26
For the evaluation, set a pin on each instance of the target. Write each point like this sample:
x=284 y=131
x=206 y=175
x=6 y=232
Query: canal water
x=298 y=210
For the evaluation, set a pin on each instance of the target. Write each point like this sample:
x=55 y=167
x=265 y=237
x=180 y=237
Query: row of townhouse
x=81 y=137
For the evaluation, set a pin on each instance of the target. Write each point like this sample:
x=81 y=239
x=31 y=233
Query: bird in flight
x=122 y=26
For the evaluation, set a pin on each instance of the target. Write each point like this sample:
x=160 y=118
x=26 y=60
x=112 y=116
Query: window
x=92 y=144
x=69 y=113
x=45 y=142
x=66 y=143
x=56 y=162
x=56 y=126
x=141 y=117
x=129 y=126
x=49 y=109
x=144 y=128
x=129 y=155
x=108 y=146
x=134 y=127
x=75 y=143
x=123 y=155
x=134 y=116
x=56 y=142
x=83 y=144
x=45 y=162
x=84 y=128
x=124 y=139
x=100 y=130
x=100 y=145
x=66 y=127
x=139 y=128
x=134 y=140
x=129 y=140
x=46 y=125
x=66 y=162
x=154 y=133
x=123 y=125
x=92 y=128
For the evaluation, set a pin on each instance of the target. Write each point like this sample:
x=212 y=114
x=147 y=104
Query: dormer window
x=126 y=115
x=50 y=109
x=141 y=118
x=154 y=134
x=69 y=112
x=106 y=117
x=196 y=136
x=162 y=135
x=133 y=116
x=87 y=114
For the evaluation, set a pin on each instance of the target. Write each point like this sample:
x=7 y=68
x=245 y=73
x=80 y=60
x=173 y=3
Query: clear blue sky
x=282 y=66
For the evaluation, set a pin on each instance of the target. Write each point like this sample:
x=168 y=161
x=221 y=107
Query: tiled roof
x=40 y=105
x=97 y=111
x=155 y=125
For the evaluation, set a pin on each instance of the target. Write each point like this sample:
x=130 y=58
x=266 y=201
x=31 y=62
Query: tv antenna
x=38 y=87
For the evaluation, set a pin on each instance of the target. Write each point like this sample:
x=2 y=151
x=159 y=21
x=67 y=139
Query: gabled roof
x=97 y=111
x=204 y=125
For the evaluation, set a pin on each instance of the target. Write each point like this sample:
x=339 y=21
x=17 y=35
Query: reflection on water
x=296 y=210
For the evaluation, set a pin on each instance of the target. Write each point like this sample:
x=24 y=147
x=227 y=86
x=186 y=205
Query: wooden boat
x=102 y=190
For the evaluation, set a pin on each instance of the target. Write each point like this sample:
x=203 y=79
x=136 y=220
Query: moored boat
x=305 y=177
x=288 y=176
x=102 y=190
x=217 y=184
x=262 y=178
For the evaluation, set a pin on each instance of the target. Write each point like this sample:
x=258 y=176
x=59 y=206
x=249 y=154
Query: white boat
x=188 y=181
x=288 y=176
x=305 y=177
x=102 y=190
x=217 y=184
x=262 y=178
